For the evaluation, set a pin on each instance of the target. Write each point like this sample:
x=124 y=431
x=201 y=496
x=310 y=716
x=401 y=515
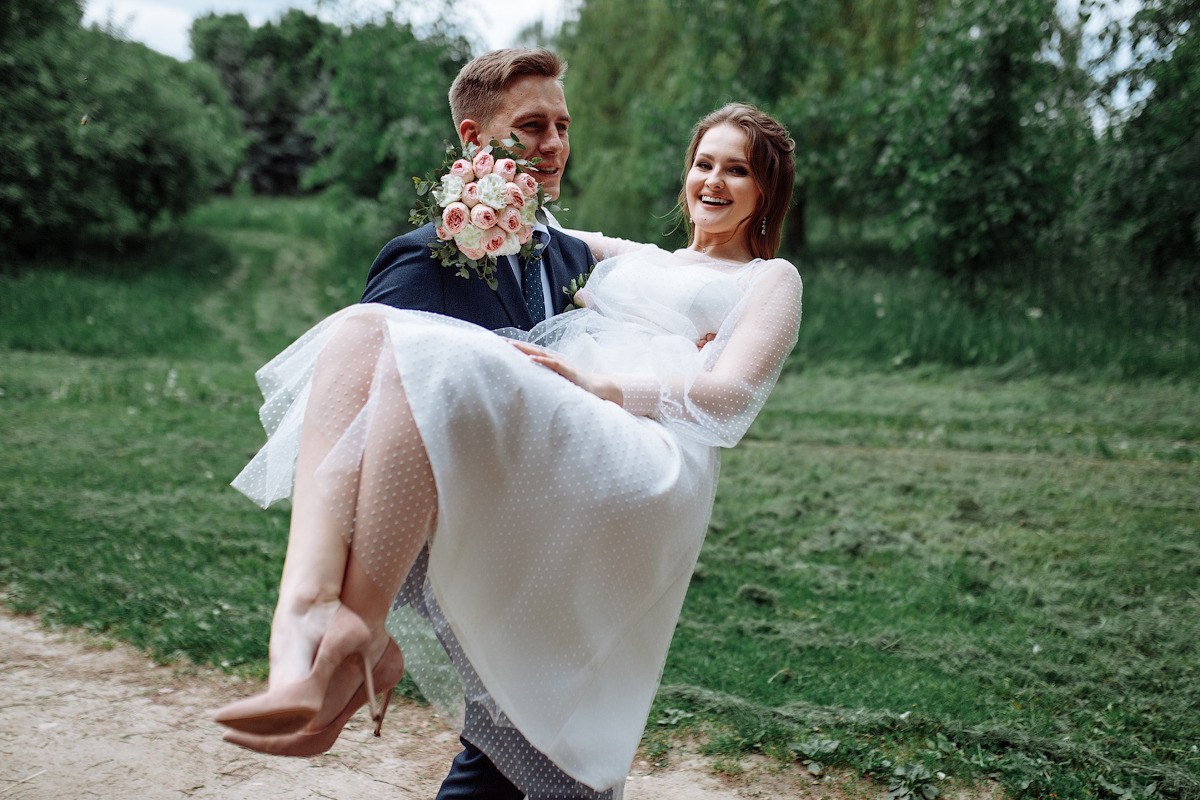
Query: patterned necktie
x=531 y=280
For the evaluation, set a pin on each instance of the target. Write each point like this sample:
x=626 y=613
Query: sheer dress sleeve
x=710 y=394
x=739 y=367
x=602 y=246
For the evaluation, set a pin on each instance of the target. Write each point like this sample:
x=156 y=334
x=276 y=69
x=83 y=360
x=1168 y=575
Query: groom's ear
x=469 y=132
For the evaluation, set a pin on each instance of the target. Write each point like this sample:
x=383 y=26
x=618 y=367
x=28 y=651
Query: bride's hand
x=598 y=384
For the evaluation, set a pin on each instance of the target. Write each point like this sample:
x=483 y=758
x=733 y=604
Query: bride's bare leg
x=313 y=568
x=357 y=526
x=394 y=514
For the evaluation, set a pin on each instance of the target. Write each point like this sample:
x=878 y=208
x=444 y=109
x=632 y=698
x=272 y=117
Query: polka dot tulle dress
x=567 y=526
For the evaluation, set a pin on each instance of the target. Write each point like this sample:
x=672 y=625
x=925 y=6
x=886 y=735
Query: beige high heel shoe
x=289 y=708
x=303 y=744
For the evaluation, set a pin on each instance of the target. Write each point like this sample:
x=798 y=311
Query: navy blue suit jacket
x=405 y=275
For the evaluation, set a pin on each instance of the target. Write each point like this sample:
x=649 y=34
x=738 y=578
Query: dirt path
x=81 y=718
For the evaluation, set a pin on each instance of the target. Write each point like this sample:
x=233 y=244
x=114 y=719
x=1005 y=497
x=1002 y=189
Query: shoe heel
x=369 y=680
x=383 y=710
x=305 y=744
x=290 y=708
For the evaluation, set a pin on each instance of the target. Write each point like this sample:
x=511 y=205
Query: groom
x=495 y=95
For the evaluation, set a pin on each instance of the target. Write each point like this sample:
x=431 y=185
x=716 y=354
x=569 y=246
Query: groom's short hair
x=476 y=92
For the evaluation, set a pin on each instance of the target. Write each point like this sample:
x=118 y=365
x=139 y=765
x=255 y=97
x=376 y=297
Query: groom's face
x=535 y=109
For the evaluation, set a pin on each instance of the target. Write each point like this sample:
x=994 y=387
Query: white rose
x=469 y=238
x=512 y=245
x=491 y=191
x=529 y=213
x=450 y=191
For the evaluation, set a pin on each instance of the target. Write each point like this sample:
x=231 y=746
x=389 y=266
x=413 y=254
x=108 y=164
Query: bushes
x=1142 y=189
x=276 y=75
x=388 y=117
x=984 y=139
x=99 y=139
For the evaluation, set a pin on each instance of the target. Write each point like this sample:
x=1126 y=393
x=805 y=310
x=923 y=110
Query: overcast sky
x=164 y=24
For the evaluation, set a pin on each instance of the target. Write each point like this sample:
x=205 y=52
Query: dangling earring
x=764 y=226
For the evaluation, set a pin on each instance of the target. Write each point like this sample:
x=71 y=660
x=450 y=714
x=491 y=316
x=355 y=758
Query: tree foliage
x=629 y=116
x=1144 y=189
x=277 y=76
x=962 y=127
x=388 y=114
x=99 y=138
x=983 y=138
x=643 y=72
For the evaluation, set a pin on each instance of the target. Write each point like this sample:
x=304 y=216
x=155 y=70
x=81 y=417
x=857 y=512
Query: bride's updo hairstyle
x=772 y=165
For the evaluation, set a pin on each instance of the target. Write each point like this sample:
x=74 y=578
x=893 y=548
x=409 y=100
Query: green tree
x=100 y=139
x=629 y=126
x=1144 y=187
x=984 y=137
x=161 y=133
x=277 y=76
x=388 y=116
x=38 y=121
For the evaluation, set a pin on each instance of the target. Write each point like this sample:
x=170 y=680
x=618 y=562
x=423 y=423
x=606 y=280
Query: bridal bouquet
x=484 y=204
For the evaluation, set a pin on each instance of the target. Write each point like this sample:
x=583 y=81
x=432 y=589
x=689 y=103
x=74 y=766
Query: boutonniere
x=572 y=289
x=484 y=203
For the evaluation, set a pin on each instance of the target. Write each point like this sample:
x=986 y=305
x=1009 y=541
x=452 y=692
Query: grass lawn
x=909 y=571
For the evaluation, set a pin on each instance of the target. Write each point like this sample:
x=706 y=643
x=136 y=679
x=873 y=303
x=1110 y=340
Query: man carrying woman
x=539 y=497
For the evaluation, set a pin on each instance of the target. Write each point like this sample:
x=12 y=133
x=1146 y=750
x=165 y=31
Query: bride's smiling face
x=721 y=191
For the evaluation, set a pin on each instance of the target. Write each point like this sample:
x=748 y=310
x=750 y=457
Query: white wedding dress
x=567 y=526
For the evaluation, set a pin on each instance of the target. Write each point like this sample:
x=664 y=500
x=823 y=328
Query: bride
x=540 y=499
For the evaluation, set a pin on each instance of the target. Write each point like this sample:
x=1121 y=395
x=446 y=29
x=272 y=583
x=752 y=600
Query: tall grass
x=912 y=568
x=895 y=315
x=138 y=302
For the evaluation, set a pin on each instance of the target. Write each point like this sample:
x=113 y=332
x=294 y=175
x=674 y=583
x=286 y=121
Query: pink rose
x=525 y=234
x=455 y=217
x=482 y=164
x=470 y=194
x=506 y=168
x=513 y=196
x=483 y=216
x=443 y=234
x=494 y=240
x=509 y=219
x=462 y=169
x=528 y=185
x=472 y=252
